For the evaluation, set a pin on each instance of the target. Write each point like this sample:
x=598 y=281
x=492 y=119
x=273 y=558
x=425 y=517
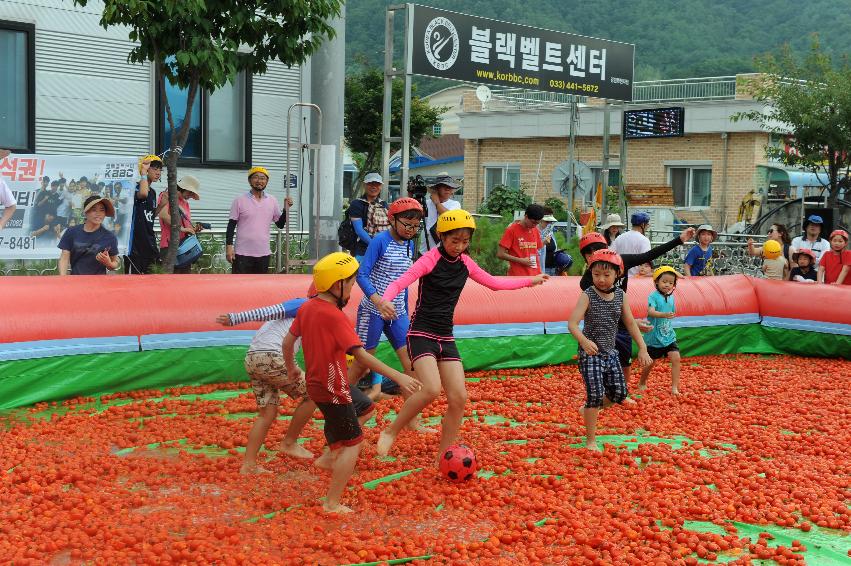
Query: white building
x=66 y=88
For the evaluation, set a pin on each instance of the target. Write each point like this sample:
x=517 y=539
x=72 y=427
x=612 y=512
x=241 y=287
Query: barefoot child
x=265 y=365
x=602 y=306
x=327 y=337
x=389 y=255
x=442 y=274
x=662 y=341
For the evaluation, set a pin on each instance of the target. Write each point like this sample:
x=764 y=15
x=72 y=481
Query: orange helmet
x=403 y=205
x=606 y=256
x=591 y=238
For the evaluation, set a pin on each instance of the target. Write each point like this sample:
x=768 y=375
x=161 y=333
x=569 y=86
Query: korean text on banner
x=49 y=192
x=467 y=48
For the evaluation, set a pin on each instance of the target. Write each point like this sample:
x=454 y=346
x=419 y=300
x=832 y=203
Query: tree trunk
x=177 y=141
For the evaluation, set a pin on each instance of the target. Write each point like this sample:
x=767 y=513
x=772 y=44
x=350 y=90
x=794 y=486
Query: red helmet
x=591 y=238
x=804 y=251
x=607 y=256
x=404 y=204
x=842 y=233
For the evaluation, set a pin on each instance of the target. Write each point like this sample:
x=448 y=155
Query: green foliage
x=673 y=38
x=485 y=243
x=505 y=200
x=572 y=248
x=811 y=100
x=364 y=105
x=558 y=208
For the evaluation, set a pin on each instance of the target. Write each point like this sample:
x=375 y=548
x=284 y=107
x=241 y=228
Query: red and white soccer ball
x=458 y=463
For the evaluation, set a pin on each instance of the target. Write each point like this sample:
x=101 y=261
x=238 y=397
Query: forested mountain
x=673 y=38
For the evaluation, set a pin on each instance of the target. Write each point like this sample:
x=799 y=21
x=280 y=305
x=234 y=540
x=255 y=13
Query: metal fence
x=729 y=253
x=704 y=88
x=211 y=261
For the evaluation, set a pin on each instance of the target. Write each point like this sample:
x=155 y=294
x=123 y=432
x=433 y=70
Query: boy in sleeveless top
x=603 y=306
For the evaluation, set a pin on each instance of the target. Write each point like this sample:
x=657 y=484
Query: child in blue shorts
x=662 y=341
x=389 y=255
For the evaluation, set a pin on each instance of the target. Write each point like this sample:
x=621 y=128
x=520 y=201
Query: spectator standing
x=612 y=227
x=368 y=214
x=811 y=239
x=835 y=266
x=805 y=269
x=440 y=200
x=635 y=241
x=144 y=251
x=548 y=238
x=699 y=258
x=187 y=188
x=520 y=243
x=90 y=249
x=7 y=201
x=253 y=212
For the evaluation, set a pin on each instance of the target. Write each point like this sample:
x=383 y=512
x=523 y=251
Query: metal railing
x=212 y=259
x=704 y=88
x=729 y=253
x=699 y=88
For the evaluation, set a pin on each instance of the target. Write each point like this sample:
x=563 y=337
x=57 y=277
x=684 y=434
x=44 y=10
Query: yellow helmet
x=332 y=268
x=151 y=158
x=659 y=271
x=771 y=249
x=254 y=170
x=454 y=219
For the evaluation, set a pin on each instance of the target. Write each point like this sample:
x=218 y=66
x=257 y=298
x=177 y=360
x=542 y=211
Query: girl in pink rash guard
x=442 y=273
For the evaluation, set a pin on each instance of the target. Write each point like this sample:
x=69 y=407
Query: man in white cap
x=440 y=200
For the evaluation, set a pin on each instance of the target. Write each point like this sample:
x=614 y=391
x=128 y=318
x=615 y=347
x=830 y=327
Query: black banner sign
x=466 y=48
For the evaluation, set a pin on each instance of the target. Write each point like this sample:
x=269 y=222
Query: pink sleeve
x=234 y=210
x=421 y=267
x=482 y=277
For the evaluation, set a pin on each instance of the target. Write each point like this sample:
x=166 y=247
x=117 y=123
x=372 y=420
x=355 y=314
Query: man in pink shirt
x=253 y=211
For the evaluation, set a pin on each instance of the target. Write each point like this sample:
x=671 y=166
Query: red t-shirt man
x=833 y=262
x=326 y=337
x=520 y=243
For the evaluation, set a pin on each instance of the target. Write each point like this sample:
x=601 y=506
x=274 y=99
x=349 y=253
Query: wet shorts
x=371 y=326
x=441 y=349
x=341 y=425
x=268 y=373
x=656 y=353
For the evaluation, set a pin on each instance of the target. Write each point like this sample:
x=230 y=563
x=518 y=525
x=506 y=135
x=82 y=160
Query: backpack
x=376 y=218
x=346 y=236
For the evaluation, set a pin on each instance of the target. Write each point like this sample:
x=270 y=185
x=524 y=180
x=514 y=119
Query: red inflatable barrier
x=46 y=308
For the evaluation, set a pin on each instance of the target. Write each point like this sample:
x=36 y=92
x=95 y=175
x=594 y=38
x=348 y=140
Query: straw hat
x=612 y=220
x=190 y=184
x=107 y=204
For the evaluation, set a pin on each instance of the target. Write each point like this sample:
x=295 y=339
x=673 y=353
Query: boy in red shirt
x=835 y=265
x=326 y=337
x=520 y=243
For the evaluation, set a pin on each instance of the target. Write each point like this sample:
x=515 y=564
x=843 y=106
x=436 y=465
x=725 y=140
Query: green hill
x=673 y=38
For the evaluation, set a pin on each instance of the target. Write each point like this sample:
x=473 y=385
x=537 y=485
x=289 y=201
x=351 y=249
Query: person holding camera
x=439 y=201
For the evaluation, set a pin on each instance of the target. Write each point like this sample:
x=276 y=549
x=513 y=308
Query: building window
x=437 y=129
x=692 y=186
x=508 y=175
x=220 y=128
x=17 y=86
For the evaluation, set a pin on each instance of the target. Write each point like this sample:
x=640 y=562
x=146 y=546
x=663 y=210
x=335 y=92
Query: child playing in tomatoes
x=266 y=367
x=835 y=263
x=662 y=341
x=327 y=336
x=602 y=307
x=442 y=274
x=389 y=255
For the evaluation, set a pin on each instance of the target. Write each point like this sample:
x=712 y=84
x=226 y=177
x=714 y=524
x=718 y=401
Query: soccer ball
x=458 y=463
